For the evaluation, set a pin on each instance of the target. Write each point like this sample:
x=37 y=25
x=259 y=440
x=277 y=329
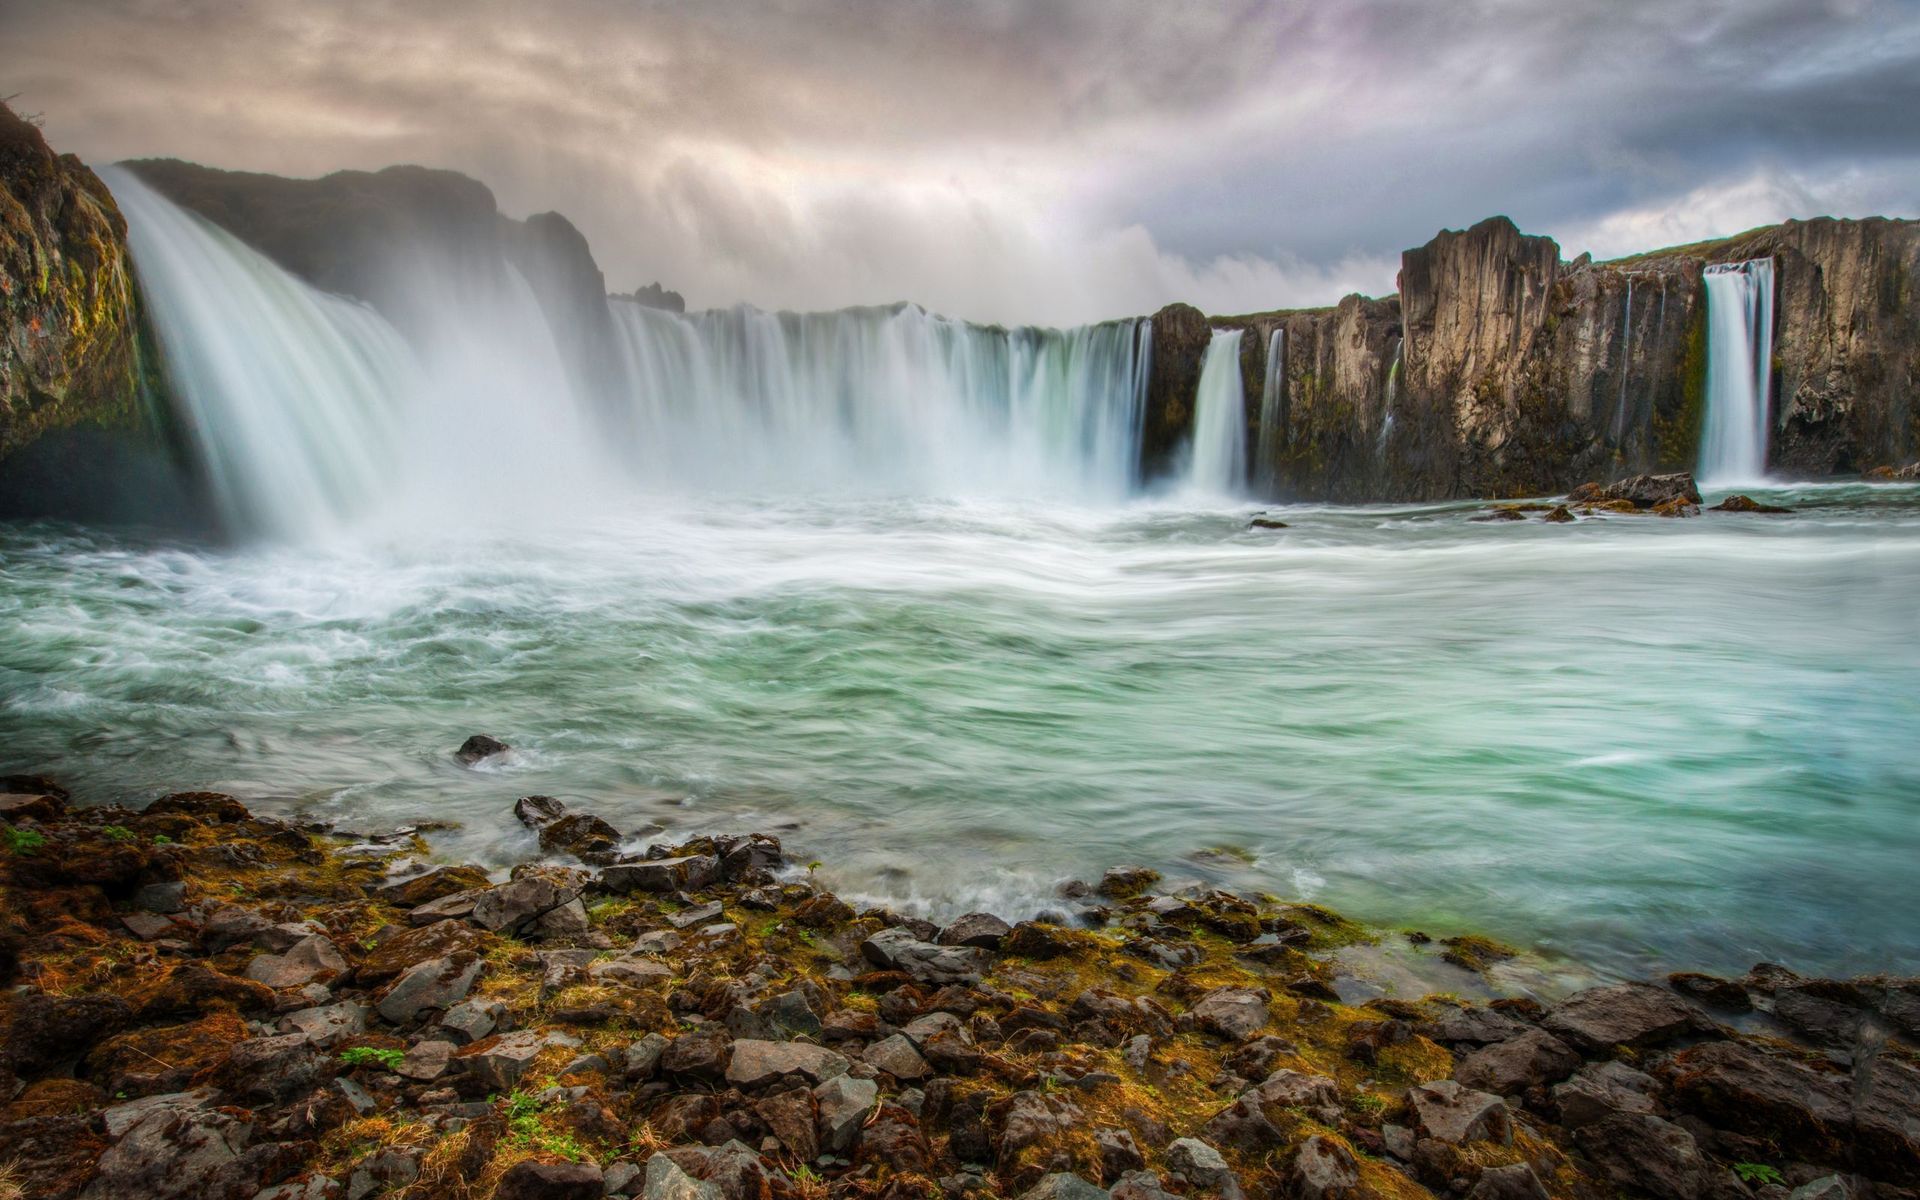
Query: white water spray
x=1217 y=460
x=1273 y=402
x=1739 y=372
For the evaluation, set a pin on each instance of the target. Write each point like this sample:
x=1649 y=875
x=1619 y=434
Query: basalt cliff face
x=71 y=338
x=1501 y=370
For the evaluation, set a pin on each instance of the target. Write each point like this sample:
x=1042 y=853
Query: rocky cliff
x=1501 y=370
x=71 y=340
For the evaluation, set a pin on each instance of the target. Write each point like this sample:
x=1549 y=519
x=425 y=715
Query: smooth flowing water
x=1217 y=456
x=1638 y=742
x=1733 y=445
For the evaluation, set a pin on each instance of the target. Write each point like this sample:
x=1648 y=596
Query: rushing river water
x=1632 y=741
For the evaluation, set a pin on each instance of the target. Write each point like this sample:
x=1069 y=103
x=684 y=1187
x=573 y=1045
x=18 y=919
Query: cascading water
x=1273 y=405
x=1217 y=456
x=1386 y=408
x=309 y=409
x=1626 y=367
x=292 y=395
x=1739 y=371
x=881 y=399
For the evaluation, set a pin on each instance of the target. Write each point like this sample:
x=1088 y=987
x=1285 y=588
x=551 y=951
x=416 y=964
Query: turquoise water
x=1634 y=742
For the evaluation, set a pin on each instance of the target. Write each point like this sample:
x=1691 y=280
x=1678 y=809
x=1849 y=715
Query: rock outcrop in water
x=1501 y=370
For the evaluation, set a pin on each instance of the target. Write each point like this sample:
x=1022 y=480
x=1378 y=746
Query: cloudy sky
x=1050 y=161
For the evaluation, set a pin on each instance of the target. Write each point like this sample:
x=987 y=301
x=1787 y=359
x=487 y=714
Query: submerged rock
x=1747 y=504
x=479 y=748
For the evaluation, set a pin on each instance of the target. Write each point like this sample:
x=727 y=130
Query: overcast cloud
x=1051 y=161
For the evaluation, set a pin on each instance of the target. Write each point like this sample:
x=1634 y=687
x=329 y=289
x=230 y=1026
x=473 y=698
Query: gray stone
x=1140 y=1185
x=631 y=970
x=643 y=1056
x=1399 y=1141
x=313 y=1187
x=1514 y=1182
x=569 y=920
x=897 y=1057
x=121 y=1118
x=327 y=1025
x=1202 y=1166
x=357 y=1097
x=1533 y=1059
x=432 y=986
x=757 y=1063
x=698 y=914
x=1233 y=1013
x=1062 y=1186
x=621 y=1178
x=551 y=1181
x=983 y=930
x=1601 y=1090
x=521 y=902
x=1622 y=1014
x=499 y=1062
x=458 y=906
x=471 y=1020
x=790 y=1014
x=313 y=959
x=1323 y=1170
x=1647 y=1154
x=1827 y=1187
x=898 y=949
x=657 y=943
x=167 y=897
x=426 y=1061
x=1255 y=1119
x=171 y=1153
x=844 y=1104
x=666 y=1181
x=1452 y=1113
x=664 y=875
x=1474 y=1026
x=383 y=1171
x=272 y=1069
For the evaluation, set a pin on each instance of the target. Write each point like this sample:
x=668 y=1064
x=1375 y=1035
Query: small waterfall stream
x=1217 y=458
x=1733 y=448
x=1273 y=406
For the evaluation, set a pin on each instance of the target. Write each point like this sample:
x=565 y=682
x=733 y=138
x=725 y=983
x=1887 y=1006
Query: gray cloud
x=1026 y=161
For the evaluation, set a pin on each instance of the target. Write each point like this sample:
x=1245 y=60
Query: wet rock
x=311 y=960
x=1747 y=504
x=1257 y=1119
x=1534 y=1059
x=213 y=807
x=1474 y=1026
x=17 y=807
x=1645 y=1153
x=1825 y=1011
x=479 y=748
x=1514 y=1182
x=1233 y=1013
x=1062 y=1186
x=742 y=855
x=521 y=903
x=983 y=930
x=755 y=1064
x=432 y=986
x=1267 y=523
x=1622 y=1014
x=844 y=1103
x=327 y=1025
x=1559 y=515
x=898 y=949
x=551 y=1181
x=563 y=831
x=1323 y=1170
x=1711 y=990
x=1448 y=1112
x=1642 y=491
x=1600 y=1091
x=687 y=873
x=436 y=884
x=1124 y=883
x=1500 y=514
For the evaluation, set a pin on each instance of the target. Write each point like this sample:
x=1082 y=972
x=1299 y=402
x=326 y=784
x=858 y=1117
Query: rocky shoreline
x=204 y=1002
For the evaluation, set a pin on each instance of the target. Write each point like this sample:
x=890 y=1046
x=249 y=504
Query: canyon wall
x=1500 y=370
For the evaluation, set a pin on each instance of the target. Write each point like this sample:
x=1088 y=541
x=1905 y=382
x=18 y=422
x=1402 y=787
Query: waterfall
x=1739 y=371
x=292 y=396
x=310 y=411
x=1626 y=365
x=1386 y=409
x=1217 y=455
x=1273 y=402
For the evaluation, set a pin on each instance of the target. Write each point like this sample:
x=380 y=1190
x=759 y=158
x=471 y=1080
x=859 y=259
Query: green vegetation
x=527 y=1127
x=24 y=841
x=370 y=1056
x=1761 y=1173
x=119 y=833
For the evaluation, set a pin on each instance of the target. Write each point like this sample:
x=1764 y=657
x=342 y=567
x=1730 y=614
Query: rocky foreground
x=206 y=1003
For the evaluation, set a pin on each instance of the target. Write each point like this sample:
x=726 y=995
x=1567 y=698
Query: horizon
x=1241 y=158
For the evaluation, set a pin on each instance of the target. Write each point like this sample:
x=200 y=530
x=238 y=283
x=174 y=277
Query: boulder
x=1446 y=1111
x=1642 y=491
x=1324 y=1169
x=1533 y=1059
x=755 y=1064
x=1600 y=1090
x=177 y=1153
x=1622 y=1014
x=313 y=959
x=432 y=986
x=897 y=1056
x=1513 y=1182
x=1124 y=883
x=405 y=948
x=551 y=1181
x=899 y=950
x=844 y=1103
x=688 y=873
x=794 y=1119
x=479 y=748
x=1233 y=1013
x=701 y=1055
x=327 y=1025
x=1641 y=1152
x=499 y=1061
x=1747 y=504
x=1203 y=1167
x=563 y=831
x=983 y=930
x=1062 y=1186
x=1119 y=1153
x=271 y=1070
x=1256 y=1120
x=666 y=1181
x=520 y=903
